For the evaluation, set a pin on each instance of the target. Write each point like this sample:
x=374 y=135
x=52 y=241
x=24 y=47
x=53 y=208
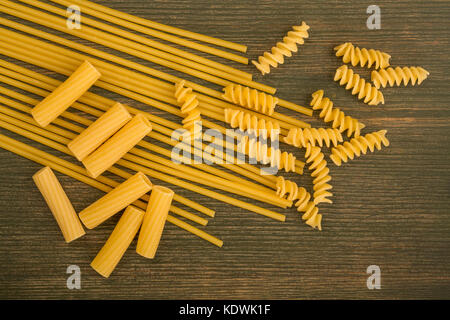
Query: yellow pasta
x=264 y=154
x=391 y=76
x=321 y=176
x=300 y=138
x=118 y=242
x=254 y=125
x=117 y=199
x=189 y=107
x=154 y=221
x=66 y=94
x=117 y=146
x=291 y=191
x=59 y=204
x=99 y=131
x=250 y=98
x=365 y=90
x=355 y=55
x=282 y=49
x=358 y=145
x=330 y=113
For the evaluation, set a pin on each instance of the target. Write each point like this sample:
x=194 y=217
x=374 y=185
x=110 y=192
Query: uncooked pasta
x=355 y=56
x=300 y=138
x=251 y=123
x=395 y=76
x=320 y=173
x=250 y=98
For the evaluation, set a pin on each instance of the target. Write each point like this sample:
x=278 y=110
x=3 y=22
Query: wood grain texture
x=391 y=208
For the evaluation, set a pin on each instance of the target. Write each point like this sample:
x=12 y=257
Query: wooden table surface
x=391 y=208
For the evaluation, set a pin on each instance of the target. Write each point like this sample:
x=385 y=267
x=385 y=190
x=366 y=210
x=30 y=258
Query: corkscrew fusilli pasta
x=189 y=107
x=302 y=137
x=330 y=113
x=250 y=98
x=320 y=174
x=282 y=49
x=355 y=55
x=356 y=146
x=246 y=121
x=365 y=90
x=289 y=190
x=395 y=76
x=264 y=154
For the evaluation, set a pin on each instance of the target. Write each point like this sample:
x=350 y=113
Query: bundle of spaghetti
x=212 y=96
x=59 y=204
x=123 y=44
x=250 y=98
x=102 y=103
x=99 y=131
x=398 y=75
x=321 y=176
x=118 y=242
x=282 y=49
x=291 y=191
x=155 y=25
x=355 y=55
x=254 y=125
x=300 y=138
x=63 y=136
x=330 y=113
x=365 y=90
x=358 y=145
x=261 y=152
x=117 y=146
x=117 y=199
x=188 y=103
x=39 y=156
x=154 y=221
x=66 y=94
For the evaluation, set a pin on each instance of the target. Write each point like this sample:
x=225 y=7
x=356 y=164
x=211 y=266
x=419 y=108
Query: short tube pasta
x=66 y=94
x=99 y=131
x=117 y=146
x=154 y=221
x=118 y=242
x=59 y=204
x=117 y=199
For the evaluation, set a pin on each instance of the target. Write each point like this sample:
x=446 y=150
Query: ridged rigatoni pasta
x=59 y=204
x=355 y=55
x=117 y=199
x=154 y=221
x=395 y=76
x=66 y=94
x=282 y=49
x=250 y=98
x=118 y=242
x=117 y=146
x=99 y=131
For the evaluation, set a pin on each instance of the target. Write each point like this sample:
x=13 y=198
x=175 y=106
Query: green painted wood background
x=391 y=208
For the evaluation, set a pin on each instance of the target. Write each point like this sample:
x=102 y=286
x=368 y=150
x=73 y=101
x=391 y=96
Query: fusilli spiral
x=356 y=146
x=250 y=98
x=282 y=49
x=365 y=90
x=289 y=190
x=302 y=137
x=254 y=125
x=264 y=154
x=330 y=113
x=355 y=55
x=189 y=107
x=320 y=174
x=395 y=76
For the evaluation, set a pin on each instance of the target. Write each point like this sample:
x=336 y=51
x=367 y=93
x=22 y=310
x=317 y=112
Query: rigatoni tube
x=117 y=199
x=66 y=94
x=118 y=242
x=117 y=146
x=99 y=131
x=59 y=204
x=154 y=221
